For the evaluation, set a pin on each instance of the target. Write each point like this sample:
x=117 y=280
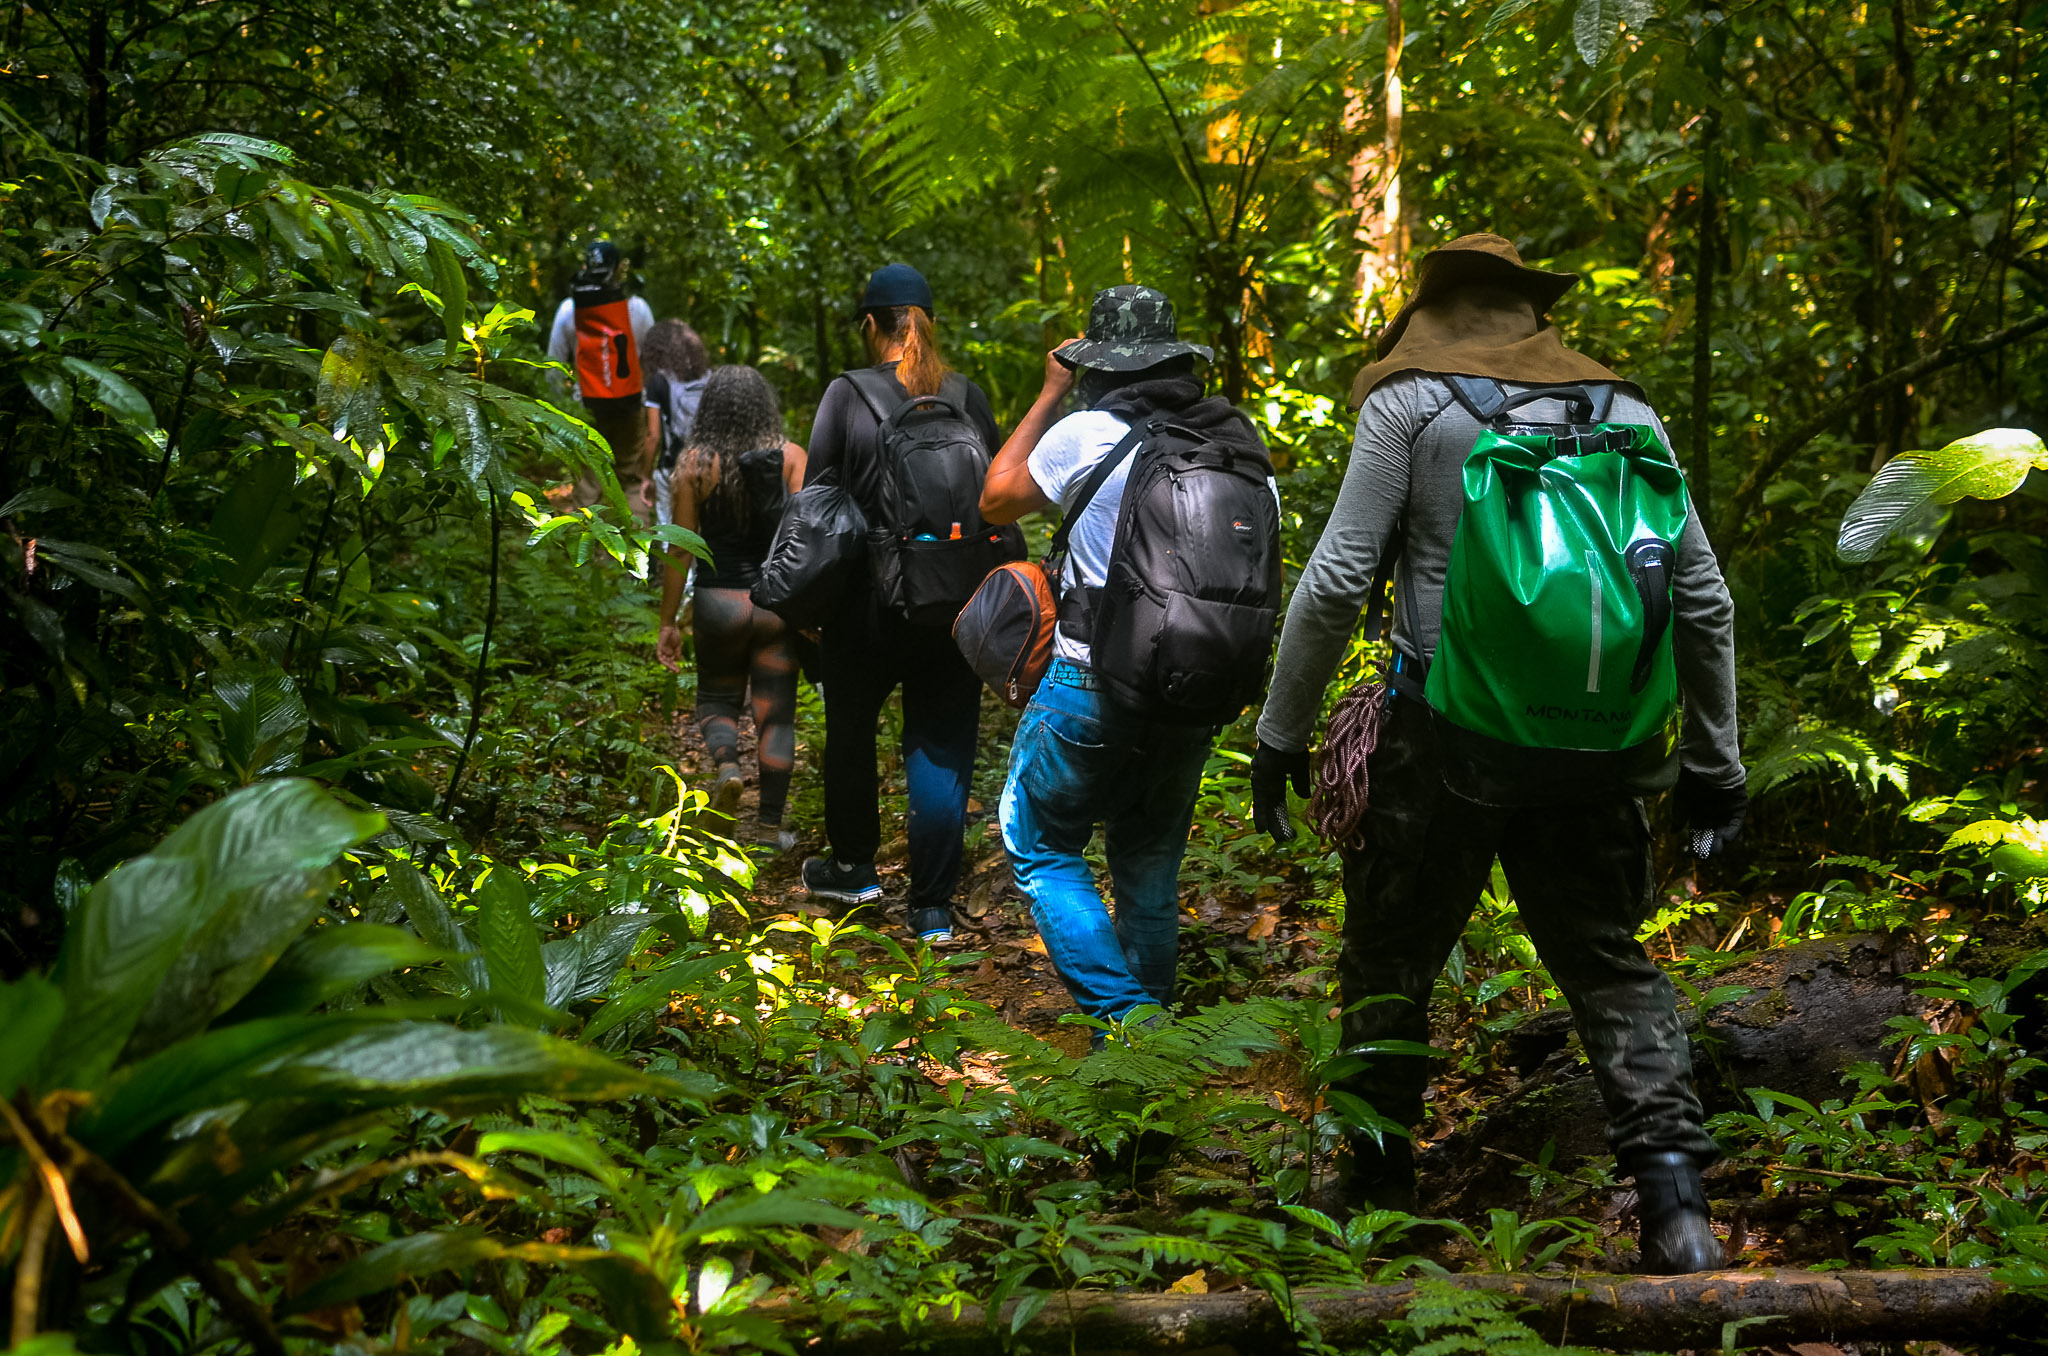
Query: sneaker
x=726 y=792
x=932 y=924
x=825 y=878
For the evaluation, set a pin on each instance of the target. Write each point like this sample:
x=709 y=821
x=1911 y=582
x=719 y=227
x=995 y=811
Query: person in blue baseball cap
x=871 y=647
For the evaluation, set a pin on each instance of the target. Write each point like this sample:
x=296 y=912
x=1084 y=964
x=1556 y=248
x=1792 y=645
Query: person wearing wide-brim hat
x=1417 y=856
x=1077 y=761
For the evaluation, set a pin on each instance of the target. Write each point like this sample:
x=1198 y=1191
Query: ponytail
x=921 y=367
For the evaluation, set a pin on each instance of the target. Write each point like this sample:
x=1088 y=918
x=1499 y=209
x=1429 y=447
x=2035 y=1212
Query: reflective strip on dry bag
x=607 y=367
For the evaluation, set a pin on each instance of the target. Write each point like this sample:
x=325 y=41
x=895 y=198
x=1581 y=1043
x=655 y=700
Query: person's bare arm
x=1010 y=492
x=792 y=467
x=668 y=646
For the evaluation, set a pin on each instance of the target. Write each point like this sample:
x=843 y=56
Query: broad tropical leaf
x=262 y=720
x=328 y=962
x=136 y=924
x=1987 y=465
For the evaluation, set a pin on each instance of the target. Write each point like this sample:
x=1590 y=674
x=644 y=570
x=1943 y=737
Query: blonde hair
x=922 y=367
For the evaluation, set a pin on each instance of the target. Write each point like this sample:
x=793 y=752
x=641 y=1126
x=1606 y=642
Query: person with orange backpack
x=597 y=335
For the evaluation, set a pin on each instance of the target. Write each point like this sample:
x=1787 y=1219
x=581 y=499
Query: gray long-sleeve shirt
x=1408 y=459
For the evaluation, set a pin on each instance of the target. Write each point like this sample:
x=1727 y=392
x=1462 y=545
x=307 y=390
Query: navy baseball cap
x=600 y=256
x=894 y=285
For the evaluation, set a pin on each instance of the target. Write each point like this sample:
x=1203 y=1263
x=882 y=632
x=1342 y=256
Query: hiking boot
x=932 y=924
x=826 y=878
x=726 y=791
x=1381 y=1176
x=773 y=837
x=1676 y=1234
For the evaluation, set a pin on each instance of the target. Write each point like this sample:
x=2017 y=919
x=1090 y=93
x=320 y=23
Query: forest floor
x=1278 y=939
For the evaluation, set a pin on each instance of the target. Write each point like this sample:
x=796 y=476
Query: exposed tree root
x=1638 y=1313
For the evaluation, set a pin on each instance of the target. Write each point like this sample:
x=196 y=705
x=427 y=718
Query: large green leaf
x=350 y=391
x=427 y=1062
x=453 y=286
x=262 y=720
x=383 y=1267
x=358 y=1059
x=226 y=957
x=329 y=961
x=138 y=921
x=583 y=964
x=431 y=917
x=1987 y=465
x=256 y=519
x=509 y=937
x=30 y=1010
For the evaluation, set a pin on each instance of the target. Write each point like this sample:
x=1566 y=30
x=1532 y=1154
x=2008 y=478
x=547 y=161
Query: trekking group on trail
x=1561 y=639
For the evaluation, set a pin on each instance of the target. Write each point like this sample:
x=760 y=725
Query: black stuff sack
x=821 y=542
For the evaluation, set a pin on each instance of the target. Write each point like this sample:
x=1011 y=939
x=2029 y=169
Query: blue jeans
x=1077 y=763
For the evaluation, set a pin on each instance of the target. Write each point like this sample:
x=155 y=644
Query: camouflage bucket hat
x=1129 y=328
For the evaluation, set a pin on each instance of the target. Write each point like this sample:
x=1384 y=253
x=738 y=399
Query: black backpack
x=1182 y=630
x=930 y=550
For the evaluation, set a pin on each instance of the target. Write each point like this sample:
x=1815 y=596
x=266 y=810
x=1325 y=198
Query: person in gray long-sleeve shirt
x=1578 y=861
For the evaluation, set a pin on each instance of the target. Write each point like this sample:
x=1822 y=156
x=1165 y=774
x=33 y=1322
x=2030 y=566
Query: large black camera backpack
x=1182 y=630
x=931 y=549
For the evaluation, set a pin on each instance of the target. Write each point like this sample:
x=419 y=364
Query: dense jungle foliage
x=375 y=977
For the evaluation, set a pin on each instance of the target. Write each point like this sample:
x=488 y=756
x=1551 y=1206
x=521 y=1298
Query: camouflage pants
x=1581 y=876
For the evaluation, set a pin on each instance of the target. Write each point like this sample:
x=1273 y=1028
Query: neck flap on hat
x=1475 y=333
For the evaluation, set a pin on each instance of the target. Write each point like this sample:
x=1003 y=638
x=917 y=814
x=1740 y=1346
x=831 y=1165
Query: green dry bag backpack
x=1554 y=672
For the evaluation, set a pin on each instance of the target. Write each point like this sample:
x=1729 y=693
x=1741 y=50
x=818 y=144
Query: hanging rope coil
x=1338 y=802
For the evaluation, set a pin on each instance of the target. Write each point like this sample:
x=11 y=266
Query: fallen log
x=1632 y=1313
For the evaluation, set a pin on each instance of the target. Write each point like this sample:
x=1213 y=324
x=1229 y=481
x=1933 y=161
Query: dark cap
x=1129 y=328
x=894 y=285
x=600 y=256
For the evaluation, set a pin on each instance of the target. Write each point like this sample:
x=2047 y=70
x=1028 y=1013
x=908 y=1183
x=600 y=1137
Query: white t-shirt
x=1059 y=464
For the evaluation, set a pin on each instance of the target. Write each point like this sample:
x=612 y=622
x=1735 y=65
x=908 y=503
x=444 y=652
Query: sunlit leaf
x=1987 y=465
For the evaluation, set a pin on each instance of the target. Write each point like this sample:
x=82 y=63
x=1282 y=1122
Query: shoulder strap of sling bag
x=1077 y=605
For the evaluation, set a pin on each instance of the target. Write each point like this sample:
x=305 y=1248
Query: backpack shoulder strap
x=1484 y=397
x=874 y=390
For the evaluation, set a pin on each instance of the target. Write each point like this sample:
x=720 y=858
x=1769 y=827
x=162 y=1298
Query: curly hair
x=738 y=414
x=675 y=348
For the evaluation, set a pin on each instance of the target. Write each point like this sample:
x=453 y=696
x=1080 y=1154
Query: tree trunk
x=1642 y=1313
x=1701 y=478
x=1380 y=231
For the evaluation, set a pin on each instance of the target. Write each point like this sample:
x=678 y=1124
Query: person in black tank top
x=729 y=487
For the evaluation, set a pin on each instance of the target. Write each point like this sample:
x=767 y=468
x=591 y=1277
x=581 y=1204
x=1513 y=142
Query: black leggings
x=738 y=643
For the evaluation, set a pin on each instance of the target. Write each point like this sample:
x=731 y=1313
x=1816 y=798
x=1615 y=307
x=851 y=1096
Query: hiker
x=676 y=367
x=729 y=486
x=1447 y=415
x=893 y=627
x=1100 y=742
x=597 y=335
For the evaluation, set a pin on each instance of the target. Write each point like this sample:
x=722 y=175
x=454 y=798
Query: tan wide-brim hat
x=1482 y=258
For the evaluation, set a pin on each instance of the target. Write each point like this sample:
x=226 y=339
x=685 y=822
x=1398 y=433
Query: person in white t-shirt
x=1077 y=761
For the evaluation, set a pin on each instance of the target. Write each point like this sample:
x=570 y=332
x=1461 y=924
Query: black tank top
x=737 y=549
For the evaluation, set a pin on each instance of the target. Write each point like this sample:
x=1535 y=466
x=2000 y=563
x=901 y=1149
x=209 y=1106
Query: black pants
x=1581 y=877
x=867 y=654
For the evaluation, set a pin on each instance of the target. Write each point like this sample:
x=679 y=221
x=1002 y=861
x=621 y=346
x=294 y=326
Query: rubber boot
x=1676 y=1236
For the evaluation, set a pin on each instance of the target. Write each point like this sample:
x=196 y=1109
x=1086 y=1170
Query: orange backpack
x=607 y=366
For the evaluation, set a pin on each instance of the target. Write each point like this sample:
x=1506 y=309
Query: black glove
x=1709 y=816
x=1272 y=770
